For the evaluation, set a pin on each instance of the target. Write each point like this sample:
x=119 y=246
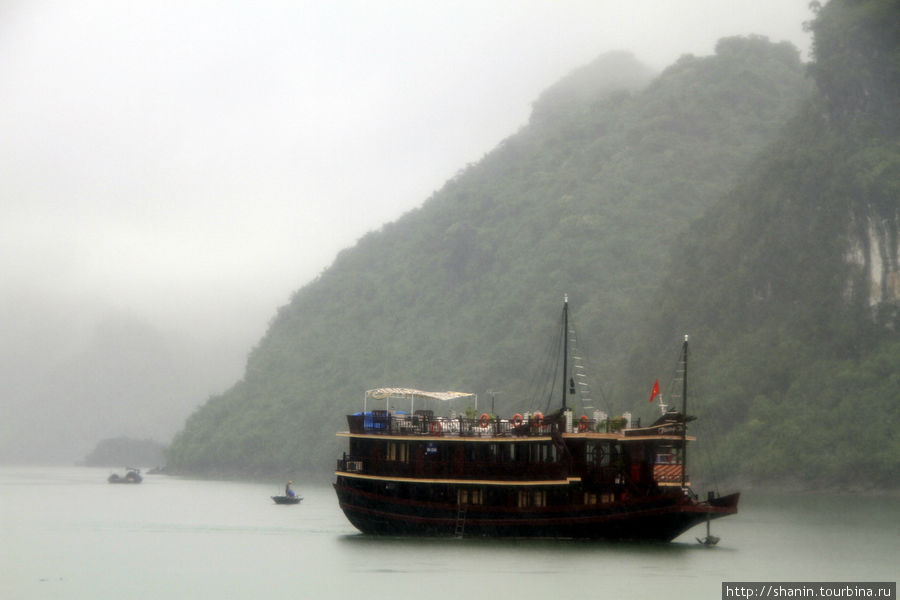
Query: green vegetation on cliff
x=790 y=284
x=462 y=293
x=729 y=197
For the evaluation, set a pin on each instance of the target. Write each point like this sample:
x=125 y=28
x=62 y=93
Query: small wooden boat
x=287 y=499
x=131 y=476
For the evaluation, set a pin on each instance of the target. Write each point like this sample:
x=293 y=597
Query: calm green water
x=66 y=533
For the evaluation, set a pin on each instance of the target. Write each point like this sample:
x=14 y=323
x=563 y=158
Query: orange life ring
x=538 y=419
x=435 y=428
x=485 y=419
x=583 y=423
x=517 y=420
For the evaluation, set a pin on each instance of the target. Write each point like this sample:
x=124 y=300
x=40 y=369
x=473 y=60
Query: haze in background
x=170 y=172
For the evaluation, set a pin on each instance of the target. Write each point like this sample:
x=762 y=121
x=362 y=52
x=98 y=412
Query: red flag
x=655 y=391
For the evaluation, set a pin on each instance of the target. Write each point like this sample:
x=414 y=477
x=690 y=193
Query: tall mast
x=565 y=373
x=684 y=352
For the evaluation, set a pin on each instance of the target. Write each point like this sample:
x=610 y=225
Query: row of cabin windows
x=470 y=496
x=530 y=453
x=604 y=498
x=529 y=498
x=532 y=498
x=524 y=499
x=475 y=496
x=600 y=455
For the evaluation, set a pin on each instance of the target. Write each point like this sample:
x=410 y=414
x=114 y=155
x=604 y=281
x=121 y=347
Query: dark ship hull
x=660 y=518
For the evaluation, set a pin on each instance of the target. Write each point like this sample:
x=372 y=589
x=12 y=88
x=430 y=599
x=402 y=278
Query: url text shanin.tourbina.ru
x=808 y=589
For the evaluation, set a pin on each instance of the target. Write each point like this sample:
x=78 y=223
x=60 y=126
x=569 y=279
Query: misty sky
x=193 y=163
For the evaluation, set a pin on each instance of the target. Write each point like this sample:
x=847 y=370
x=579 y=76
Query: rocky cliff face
x=874 y=251
x=856 y=68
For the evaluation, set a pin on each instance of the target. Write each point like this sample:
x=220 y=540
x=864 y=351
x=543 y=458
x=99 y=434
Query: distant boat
x=132 y=475
x=287 y=499
x=554 y=476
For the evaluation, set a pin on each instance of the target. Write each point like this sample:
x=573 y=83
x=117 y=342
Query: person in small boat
x=287 y=489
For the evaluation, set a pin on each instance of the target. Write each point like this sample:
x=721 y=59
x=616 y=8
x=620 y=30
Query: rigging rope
x=556 y=362
x=582 y=351
x=551 y=364
x=697 y=397
x=707 y=434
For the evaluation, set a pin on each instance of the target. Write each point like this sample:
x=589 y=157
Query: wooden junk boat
x=532 y=475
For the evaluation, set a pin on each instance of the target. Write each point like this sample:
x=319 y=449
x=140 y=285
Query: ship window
x=541 y=453
x=464 y=496
x=615 y=455
x=666 y=455
x=477 y=453
x=590 y=498
x=398 y=452
x=602 y=455
x=494 y=452
x=532 y=498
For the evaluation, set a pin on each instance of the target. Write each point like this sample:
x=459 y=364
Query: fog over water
x=174 y=538
x=170 y=172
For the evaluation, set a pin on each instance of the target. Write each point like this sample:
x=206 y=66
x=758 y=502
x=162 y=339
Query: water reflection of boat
x=287 y=499
x=554 y=476
x=132 y=475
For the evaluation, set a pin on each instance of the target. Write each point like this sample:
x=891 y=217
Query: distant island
x=116 y=452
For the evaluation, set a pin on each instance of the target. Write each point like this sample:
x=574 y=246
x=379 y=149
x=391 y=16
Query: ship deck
x=505 y=437
x=402 y=426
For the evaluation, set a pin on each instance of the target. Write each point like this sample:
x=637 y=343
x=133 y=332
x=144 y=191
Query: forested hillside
x=791 y=286
x=463 y=293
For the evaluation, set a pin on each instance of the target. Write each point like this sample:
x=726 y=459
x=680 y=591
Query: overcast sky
x=193 y=163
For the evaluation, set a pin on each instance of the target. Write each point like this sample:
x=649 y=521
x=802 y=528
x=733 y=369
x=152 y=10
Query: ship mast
x=565 y=373
x=684 y=353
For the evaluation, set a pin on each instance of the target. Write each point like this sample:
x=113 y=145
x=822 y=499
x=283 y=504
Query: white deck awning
x=382 y=393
